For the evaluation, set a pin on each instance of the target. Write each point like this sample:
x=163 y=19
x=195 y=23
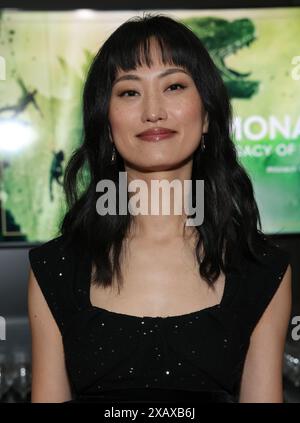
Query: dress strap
x=82 y=278
x=54 y=269
x=260 y=283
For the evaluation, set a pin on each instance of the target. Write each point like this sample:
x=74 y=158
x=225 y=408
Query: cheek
x=189 y=110
x=120 y=123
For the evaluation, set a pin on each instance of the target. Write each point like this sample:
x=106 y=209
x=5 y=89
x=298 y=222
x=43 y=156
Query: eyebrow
x=137 y=78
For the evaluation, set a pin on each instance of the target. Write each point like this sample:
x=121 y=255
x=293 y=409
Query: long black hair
x=231 y=216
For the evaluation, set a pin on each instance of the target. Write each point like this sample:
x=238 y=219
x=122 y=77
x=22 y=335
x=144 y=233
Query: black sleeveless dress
x=112 y=356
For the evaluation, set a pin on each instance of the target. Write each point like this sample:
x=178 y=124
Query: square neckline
x=132 y=316
x=115 y=314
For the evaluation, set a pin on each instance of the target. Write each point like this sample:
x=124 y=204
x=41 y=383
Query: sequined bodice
x=200 y=351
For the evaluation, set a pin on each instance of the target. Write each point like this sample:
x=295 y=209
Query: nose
x=153 y=109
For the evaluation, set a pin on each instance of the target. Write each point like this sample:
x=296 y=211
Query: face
x=145 y=99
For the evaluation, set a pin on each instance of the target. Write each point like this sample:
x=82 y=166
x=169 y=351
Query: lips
x=156 y=131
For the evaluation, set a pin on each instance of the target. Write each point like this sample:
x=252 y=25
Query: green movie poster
x=44 y=57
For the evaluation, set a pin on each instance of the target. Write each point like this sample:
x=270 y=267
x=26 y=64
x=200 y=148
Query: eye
x=122 y=94
x=177 y=85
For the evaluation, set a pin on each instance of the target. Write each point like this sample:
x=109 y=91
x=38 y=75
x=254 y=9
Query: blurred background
x=45 y=52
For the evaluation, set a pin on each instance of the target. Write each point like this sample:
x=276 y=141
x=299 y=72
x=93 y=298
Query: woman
x=145 y=307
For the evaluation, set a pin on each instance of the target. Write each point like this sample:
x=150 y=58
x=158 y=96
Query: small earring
x=202 y=143
x=114 y=156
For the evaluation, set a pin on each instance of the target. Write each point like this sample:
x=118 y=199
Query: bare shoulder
x=49 y=377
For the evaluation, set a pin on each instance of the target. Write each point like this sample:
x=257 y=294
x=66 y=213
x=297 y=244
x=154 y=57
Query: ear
x=206 y=123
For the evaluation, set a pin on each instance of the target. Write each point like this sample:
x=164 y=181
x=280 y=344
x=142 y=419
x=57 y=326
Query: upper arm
x=262 y=373
x=49 y=377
